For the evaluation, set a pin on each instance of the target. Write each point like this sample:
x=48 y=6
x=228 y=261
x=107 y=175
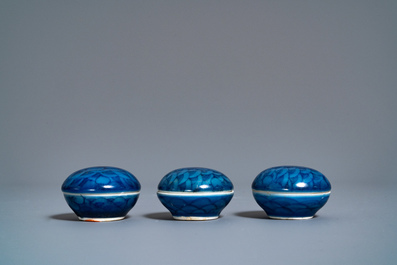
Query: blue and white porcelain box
x=99 y=194
x=291 y=192
x=195 y=193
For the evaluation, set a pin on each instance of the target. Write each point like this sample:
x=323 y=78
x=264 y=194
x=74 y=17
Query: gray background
x=237 y=86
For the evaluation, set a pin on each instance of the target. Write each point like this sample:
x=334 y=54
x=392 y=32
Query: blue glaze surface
x=195 y=206
x=101 y=180
x=195 y=179
x=292 y=179
x=101 y=206
x=291 y=206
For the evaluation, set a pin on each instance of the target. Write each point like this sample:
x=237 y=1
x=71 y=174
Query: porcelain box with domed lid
x=291 y=192
x=195 y=193
x=99 y=194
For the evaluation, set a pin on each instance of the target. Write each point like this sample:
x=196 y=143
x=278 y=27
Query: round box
x=195 y=193
x=291 y=192
x=99 y=194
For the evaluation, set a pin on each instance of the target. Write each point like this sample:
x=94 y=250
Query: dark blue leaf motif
x=199 y=180
x=267 y=181
x=216 y=183
x=195 y=174
x=188 y=185
x=284 y=181
x=184 y=178
x=282 y=171
x=174 y=184
x=293 y=172
x=183 y=171
x=308 y=178
x=172 y=177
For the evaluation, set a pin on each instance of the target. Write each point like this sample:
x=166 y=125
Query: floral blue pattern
x=195 y=193
x=101 y=193
x=291 y=192
x=101 y=206
x=291 y=206
x=195 y=179
x=291 y=178
x=101 y=180
x=197 y=206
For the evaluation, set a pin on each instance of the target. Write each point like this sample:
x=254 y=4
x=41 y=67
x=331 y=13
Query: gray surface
x=235 y=86
x=356 y=226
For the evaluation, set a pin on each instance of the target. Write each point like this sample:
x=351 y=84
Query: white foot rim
x=290 y=218
x=110 y=219
x=195 y=218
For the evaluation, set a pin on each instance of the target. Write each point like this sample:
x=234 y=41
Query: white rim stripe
x=277 y=193
x=290 y=218
x=192 y=193
x=103 y=194
x=94 y=219
x=195 y=218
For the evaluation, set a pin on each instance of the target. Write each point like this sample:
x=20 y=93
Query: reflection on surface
x=301 y=185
